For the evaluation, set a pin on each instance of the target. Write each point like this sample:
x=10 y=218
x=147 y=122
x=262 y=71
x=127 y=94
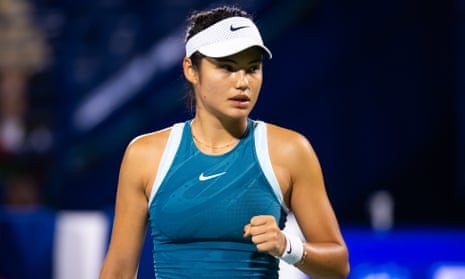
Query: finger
x=247 y=230
x=261 y=220
x=272 y=237
x=269 y=247
x=262 y=238
x=264 y=228
x=261 y=229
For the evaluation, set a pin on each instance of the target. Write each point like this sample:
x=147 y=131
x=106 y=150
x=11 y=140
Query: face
x=228 y=87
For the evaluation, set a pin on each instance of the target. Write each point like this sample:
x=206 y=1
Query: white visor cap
x=226 y=37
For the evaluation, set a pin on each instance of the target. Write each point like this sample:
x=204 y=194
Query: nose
x=242 y=80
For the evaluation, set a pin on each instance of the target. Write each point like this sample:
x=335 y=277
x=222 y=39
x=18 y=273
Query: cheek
x=212 y=86
x=257 y=85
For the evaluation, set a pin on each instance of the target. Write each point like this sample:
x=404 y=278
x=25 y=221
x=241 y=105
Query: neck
x=217 y=136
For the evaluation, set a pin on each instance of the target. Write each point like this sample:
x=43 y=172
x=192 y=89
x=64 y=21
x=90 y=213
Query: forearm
x=115 y=272
x=325 y=260
x=117 y=268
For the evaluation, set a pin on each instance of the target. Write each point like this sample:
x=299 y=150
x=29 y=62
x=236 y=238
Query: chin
x=238 y=114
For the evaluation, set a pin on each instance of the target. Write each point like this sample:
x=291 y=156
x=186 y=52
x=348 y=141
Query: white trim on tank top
x=261 y=149
x=167 y=158
x=263 y=155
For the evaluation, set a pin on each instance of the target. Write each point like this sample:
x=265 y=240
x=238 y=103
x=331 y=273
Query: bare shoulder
x=292 y=151
x=149 y=142
x=143 y=154
x=288 y=142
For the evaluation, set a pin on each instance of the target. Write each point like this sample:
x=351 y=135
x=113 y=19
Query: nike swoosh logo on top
x=208 y=177
x=232 y=28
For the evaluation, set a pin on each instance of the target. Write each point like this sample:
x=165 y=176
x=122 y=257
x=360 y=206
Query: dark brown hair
x=198 y=21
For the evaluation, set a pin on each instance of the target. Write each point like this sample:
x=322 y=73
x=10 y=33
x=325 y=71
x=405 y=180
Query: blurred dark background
x=377 y=87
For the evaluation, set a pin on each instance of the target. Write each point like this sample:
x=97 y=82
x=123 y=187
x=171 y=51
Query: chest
x=207 y=198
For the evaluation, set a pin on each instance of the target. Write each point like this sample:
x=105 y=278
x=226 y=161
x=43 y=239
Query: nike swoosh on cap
x=202 y=177
x=232 y=28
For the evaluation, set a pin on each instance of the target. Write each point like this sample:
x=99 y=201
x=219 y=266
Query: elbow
x=342 y=269
x=339 y=273
x=345 y=266
x=345 y=271
x=337 y=268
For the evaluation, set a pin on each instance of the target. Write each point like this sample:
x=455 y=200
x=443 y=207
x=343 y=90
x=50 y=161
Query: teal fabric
x=197 y=226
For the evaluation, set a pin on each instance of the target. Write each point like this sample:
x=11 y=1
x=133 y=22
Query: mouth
x=240 y=101
x=240 y=98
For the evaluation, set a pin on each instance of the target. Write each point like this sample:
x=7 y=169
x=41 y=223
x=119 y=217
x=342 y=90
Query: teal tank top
x=200 y=203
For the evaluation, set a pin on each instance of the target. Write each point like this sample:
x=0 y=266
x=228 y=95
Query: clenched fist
x=266 y=235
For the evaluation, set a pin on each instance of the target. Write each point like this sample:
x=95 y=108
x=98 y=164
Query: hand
x=266 y=235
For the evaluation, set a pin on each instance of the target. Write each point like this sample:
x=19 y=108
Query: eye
x=227 y=67
x=254 y=68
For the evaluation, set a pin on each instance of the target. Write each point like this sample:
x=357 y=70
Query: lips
x=240 y=101
x=240 y=98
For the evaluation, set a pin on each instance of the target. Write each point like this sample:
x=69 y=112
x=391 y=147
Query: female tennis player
x=216 y=189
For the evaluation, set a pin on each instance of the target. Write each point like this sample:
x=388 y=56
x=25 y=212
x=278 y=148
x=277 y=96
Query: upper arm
x=131 y=209
x=302 y=182
x=309 y=199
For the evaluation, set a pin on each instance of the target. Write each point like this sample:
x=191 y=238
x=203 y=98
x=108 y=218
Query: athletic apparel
x=200 y=204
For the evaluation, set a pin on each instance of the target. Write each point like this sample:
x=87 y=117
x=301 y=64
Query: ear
x=190 y=72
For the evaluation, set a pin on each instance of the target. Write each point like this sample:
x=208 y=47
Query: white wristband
x=294 y=249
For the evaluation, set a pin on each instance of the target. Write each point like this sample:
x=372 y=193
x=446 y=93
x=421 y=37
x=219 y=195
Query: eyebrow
x=220 y=60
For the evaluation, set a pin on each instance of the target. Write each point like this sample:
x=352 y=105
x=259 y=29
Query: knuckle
x=276 y=247
x=276 y=235
x=264 y=247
